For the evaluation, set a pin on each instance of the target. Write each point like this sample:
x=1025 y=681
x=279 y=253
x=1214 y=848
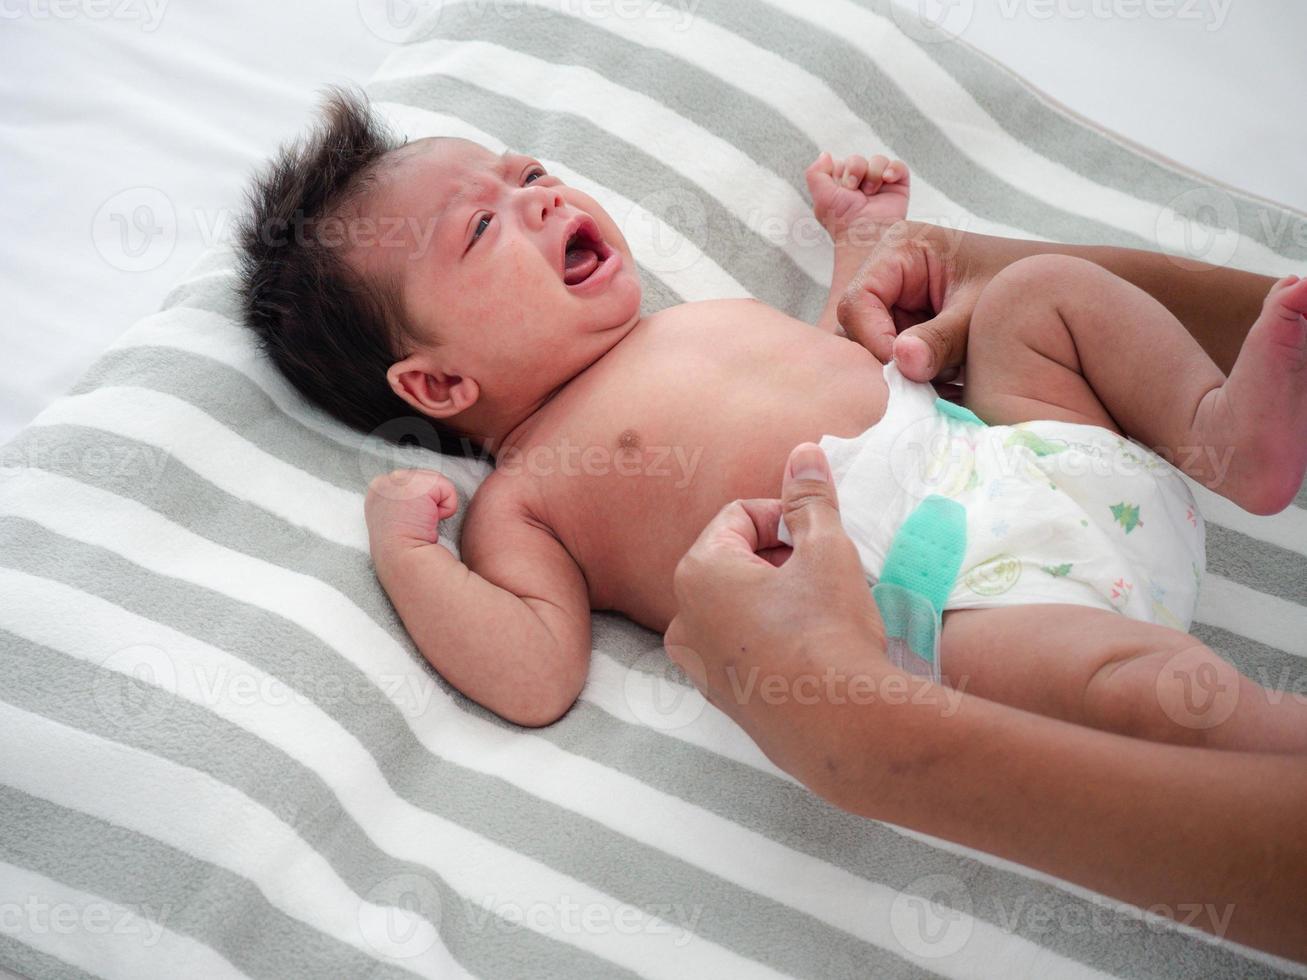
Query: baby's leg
x=1098 y=668
x=1062 y=338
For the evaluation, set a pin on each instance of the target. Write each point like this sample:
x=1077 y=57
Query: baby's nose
x=543 y=200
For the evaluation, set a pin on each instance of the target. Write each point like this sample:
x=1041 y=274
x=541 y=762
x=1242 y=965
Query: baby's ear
x=432 y=392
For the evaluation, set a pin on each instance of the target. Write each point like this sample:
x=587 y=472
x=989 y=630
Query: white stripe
x=1256 y=615
x=99 y=936
x=200 y=816
x=660 y=249
x=612 y=798
x=752 y=193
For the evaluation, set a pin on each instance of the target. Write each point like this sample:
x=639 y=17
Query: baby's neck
x=514 y=429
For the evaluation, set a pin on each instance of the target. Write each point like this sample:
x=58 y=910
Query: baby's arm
x=855 y=200
x=513 y=634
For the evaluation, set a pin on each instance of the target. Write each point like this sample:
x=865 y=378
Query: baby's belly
x=669 y=476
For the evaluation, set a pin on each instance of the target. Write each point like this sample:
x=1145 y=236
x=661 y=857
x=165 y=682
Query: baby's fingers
x=855 y=171
x=881 y=171
x=820 y=175
x=875 y=176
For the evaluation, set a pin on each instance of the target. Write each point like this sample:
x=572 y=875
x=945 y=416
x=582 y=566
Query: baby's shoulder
x=714 y=312
x=502 y=498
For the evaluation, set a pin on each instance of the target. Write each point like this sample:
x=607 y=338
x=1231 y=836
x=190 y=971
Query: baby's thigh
x=1022 y=362
x=1042 y=657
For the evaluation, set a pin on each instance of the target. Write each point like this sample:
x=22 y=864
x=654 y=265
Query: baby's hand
x=407 y=506
x=858 y=192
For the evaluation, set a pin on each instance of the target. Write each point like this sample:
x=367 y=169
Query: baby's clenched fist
x=407 y=506
x=856 y=191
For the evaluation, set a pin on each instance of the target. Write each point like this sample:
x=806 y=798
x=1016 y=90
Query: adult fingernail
x=808 y=462
x=912 y=352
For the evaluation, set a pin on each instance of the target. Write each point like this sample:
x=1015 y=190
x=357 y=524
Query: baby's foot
x=857 y=198
x=1261 y=412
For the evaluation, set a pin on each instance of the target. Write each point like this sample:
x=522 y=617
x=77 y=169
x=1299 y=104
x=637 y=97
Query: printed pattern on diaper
x=1127 y=515
x=995 y=576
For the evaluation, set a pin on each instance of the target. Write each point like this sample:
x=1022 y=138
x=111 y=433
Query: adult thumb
x=924 y=351
x=808 y=501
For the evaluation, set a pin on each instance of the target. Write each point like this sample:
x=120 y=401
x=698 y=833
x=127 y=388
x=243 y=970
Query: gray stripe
x=167 y=886
x=1256 y=564
x=1087 y=152
x=631 y=871
x=1269 y=666
x=40 y=679
x=758 y=265
x=655 y=294
x=26 y=961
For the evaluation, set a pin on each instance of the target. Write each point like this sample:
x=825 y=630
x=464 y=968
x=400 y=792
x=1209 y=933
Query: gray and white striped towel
x=222 y=755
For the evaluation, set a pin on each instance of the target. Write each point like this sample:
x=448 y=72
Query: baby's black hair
x=329 y=330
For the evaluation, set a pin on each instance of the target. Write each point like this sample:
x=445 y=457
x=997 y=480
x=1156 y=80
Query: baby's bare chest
x=694 y=413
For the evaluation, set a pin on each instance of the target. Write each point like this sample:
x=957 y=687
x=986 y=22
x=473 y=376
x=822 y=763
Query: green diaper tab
x=955 y=411
x=923 y=563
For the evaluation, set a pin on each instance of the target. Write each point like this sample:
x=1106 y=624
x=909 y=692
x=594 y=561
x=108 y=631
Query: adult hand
x=754 y=634
x=912 y=301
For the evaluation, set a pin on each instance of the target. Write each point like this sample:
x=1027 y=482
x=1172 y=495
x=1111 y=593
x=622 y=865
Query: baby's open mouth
x=584 y=252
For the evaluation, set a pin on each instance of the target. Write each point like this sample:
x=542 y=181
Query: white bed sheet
x=130 y=112
x=106 y=116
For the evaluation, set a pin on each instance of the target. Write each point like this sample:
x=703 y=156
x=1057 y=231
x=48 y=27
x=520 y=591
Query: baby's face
x=515 y=279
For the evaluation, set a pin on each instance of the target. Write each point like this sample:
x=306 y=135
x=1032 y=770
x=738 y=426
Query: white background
x=174 y=111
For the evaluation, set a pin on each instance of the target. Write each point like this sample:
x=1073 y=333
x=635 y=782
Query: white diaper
x=1055 y=512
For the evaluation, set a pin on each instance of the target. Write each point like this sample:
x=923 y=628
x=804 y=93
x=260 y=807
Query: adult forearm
x=1154 y=825
x=1216 y=304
